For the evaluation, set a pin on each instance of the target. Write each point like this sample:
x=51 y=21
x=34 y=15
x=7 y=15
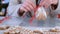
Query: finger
x=28 y=6
x=46 y=5
x=31 y=7
x=24 y=14
x=42 y=3
x=54 y=1
x=22 y=8
x=31 y=3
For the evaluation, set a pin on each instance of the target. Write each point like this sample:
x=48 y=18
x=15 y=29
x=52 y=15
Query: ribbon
x=6 y=18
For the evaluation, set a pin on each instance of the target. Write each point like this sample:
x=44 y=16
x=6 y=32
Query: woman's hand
x=27 y=5
x=47 y=3
x=54 y=1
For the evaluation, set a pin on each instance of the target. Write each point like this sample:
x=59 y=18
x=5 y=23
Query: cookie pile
x=21 y=30
x=53 y=31
x=4 y=27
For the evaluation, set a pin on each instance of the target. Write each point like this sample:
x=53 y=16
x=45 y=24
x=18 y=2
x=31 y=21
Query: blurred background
x=3 y=7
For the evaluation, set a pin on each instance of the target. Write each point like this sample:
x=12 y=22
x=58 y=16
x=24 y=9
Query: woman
x=19 y=8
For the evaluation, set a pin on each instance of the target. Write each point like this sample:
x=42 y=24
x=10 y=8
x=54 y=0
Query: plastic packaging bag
x=40 y=11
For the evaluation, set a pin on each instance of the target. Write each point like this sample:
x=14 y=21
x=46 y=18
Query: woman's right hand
x=27 y=5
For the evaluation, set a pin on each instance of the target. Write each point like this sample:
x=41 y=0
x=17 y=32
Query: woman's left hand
x=47 y=3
